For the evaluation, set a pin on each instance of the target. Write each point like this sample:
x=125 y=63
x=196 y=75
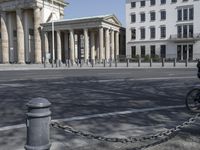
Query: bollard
x=81 y=63
x=163 y=62
x=59 y=62
x=151 y=62
x=56 y=63
x=127 y=63
x=92 y=62
x=186 y=63
x=38 y=124
x=174 y=62
x=139 y=62
x=110 y=62
x=69 y=63
x=104 y=63
x=116 y=63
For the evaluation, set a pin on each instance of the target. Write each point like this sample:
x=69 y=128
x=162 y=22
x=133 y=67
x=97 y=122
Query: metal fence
x=39 y=123
x=126 y=63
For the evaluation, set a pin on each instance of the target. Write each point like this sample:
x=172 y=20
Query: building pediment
x=113 y=20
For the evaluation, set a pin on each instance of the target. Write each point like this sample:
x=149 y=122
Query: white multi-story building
x=167 y=28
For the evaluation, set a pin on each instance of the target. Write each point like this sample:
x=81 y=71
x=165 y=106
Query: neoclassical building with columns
x=90 y=38
x=26 y=33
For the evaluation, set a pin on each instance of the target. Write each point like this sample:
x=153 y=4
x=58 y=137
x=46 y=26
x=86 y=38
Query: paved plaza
x=106 y=102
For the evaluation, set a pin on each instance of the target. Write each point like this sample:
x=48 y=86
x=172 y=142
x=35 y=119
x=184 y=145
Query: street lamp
x=53 y=47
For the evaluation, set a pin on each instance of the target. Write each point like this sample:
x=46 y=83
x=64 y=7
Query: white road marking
x=78 y=118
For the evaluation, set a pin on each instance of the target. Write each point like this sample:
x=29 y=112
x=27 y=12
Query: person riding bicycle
x=198 y=66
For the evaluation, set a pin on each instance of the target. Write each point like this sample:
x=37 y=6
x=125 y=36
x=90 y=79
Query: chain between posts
x=163 y=134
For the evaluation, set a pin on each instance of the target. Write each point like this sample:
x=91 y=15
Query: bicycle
x=193 y=100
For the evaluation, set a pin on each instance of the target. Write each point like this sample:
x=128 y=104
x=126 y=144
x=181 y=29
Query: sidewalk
x=6 y=67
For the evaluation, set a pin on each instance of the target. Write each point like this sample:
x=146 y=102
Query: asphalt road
x=91 y=100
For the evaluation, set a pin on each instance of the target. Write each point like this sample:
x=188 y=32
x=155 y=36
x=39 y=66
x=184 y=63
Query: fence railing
x=39 y=121
x=126 y=63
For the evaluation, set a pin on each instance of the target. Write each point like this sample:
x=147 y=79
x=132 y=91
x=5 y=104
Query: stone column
x=20 y=36
x=116 y=44
x=86 y=43
x=66 y=45
x=37 y=38
x=97 y=46
x=76 y=46
x=92 y=46
x=46 y=47
x=112 y=44
x=101 y=44
x=59 y=58
x=4 y=38
x=107 y=52
x=72 y=45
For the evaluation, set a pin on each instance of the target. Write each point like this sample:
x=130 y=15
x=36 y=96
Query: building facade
x=163 y=28
x=20 y=40
x=88 y=38
x=34 y=31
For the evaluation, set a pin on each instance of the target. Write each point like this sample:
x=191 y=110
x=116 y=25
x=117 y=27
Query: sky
x=87 y=8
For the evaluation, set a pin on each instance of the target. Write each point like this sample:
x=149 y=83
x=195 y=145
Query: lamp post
x=53 y=47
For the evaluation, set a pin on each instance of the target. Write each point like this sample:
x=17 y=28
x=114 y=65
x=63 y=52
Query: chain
x=164 y=134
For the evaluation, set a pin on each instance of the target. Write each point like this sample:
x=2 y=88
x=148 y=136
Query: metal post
x=139 y=62
x=110 y=62
x=68 y=62
x=151 y=62
x=56 y=63
x=186 y=62
x=127 y=63
x=115 y=62
x=38 y=121
x=53 y=46
x=104 y=63
x=174 y=62
x=163 y=62
x=59 y=62
x=92 y=62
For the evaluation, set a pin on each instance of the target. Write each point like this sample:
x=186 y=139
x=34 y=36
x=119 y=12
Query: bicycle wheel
x=193 y=100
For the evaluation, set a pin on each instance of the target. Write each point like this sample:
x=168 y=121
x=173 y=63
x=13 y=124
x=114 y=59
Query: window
x=184 y=31
x=133 y=18
x=152 y=16
x=142 y=33
x=179 y=47
x=185 y=14
x=173 y=1
x=152 y=2
x=142 y=51
x=133 y=4
x=162 y=2
x=142 y=17
x=191 y=31
x=162 y=31
x=179 y=31
x=133 y=34
x=163 y=15
x=133 y=51
x=163 y=51
x=152 y=32
x=153 y=51
x=190 y=52
x=191 y=13
x=179 y=14
x=142 y=3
